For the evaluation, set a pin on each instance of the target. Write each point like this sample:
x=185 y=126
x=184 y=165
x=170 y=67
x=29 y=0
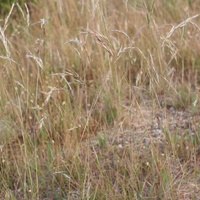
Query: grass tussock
x=100 y=100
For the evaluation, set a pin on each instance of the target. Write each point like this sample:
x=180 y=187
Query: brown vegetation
x=100 y=100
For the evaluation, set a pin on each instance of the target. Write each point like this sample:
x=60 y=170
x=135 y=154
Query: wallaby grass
x=72 y=71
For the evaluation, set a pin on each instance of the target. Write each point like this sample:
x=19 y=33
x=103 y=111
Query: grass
x=100 y=100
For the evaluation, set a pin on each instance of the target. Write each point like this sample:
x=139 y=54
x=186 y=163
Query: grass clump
x=99 y=100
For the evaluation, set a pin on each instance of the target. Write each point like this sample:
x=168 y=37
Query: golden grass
x=83 y=85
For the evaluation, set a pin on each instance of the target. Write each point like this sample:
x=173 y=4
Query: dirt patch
x=157 y=129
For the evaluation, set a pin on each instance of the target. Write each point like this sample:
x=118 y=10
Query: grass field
x=100 y=100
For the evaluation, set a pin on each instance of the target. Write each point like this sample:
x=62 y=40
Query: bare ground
x=156 y=128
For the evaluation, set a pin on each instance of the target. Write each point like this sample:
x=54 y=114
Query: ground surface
x=150 y=128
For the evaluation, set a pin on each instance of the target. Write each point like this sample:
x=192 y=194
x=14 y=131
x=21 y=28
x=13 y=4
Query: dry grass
x=100 y=100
